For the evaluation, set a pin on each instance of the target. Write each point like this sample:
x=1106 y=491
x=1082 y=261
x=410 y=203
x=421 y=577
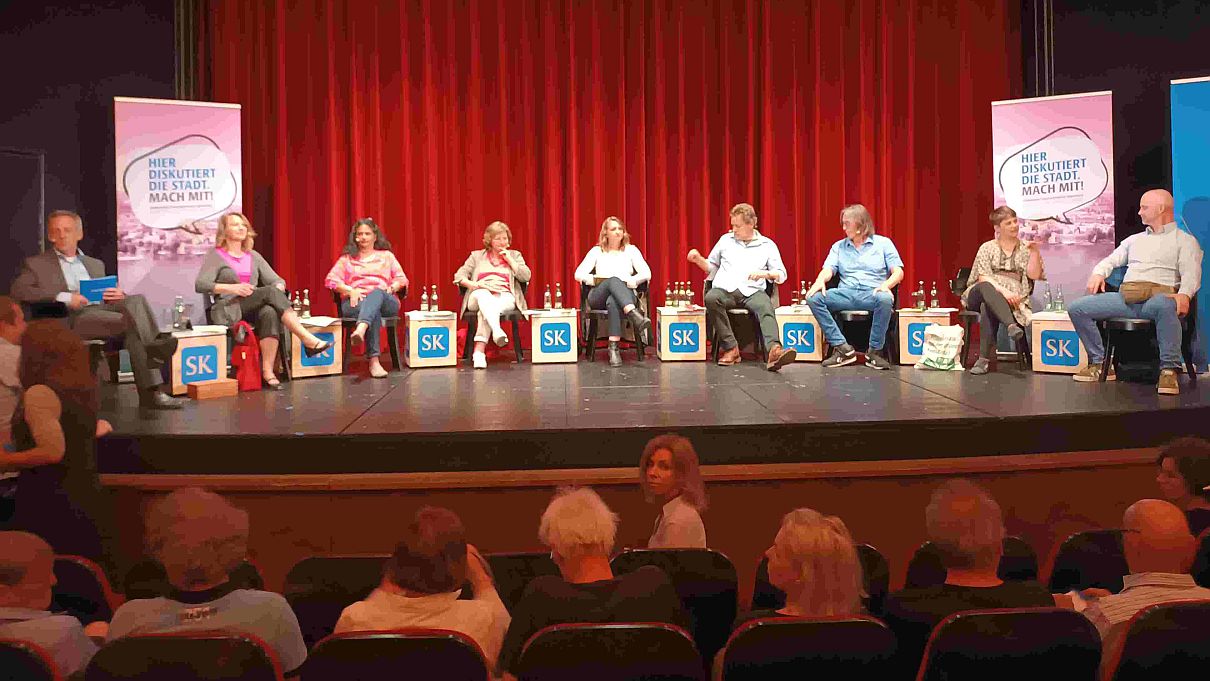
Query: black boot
x=615 y=354
x=641 y=325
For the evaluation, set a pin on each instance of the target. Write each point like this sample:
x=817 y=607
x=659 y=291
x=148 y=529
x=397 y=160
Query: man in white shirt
x=1163 y=272
x=739 y=265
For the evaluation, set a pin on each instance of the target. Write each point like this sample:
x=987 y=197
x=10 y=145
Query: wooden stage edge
x=344 y=482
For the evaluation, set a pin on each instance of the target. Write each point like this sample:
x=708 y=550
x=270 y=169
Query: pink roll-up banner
x=178 y=171
x=1054 y=166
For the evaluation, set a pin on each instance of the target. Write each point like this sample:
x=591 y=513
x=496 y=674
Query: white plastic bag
x=942 y=348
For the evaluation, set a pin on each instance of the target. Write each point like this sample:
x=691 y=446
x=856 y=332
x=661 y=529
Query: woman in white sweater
x=620 y=268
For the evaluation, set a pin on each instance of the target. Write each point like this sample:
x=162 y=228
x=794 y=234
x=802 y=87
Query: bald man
x=1158 y=547
x=26 y=579
x=1163 y=272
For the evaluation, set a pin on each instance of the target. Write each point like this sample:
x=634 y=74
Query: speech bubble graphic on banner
x=1060 y=172
x=186 y=180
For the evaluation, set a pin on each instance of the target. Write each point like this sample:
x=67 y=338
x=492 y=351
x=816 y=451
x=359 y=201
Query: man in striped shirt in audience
x=1158 y=547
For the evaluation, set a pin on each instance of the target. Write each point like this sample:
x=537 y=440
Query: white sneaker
x=479 y=360
x=500 y=337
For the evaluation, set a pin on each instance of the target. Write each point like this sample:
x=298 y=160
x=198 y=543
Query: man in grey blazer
x=55 y=275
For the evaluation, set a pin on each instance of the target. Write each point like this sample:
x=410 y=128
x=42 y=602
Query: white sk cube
x=201 y=355
x=911 y=329
x=431 y=339
x=1055 y=345
x=682 y=333
x=326 y=363
x=799 y=331
x=553 y=336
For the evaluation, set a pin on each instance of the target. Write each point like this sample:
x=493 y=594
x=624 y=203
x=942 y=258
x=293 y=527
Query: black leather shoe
x=154 y=399
x=641 y=325
x=318 y=349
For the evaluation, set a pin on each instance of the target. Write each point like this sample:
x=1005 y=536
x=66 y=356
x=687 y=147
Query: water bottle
x=546 y=298
x=558 y=296
x=1059 y=307
x=433 y=301
x=802 y=292
x=794 y=298
x=934 y=301
x=919 y=295
x=668 y=299
x=297 y=304
x=306 y=303
x=1050 y=303
x=178 y=313
x=424 y=299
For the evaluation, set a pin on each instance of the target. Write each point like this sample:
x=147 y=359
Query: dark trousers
x=719 y=301
x=263 y=310
x=372 y=308
x=613 y=294
x=994 y=310
x=132 y=319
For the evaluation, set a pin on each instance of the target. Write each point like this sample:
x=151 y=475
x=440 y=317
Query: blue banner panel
x=1191 y=183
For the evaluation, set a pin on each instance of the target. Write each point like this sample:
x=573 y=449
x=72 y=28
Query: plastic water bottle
x=802 y=292
x=934 y=301
x=546 y=298
x=178 y=313
x=558 y=296
x=424 y=299
x=668 y=299
x=433 y=301
x=306 y=303
x=1059 y=306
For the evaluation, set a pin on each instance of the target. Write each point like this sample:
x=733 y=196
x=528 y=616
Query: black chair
x=876 y=577
x=1018 y=563
x=706 y=582
x=592 y=320
x=969 y=319
x=1012 y=644
x=398 y=654
x=1166 y=641
x=200 y=656
x=82 y=590
x=852 y=321
x=513 y=572
x=471 y=317
x=1093 y=558
x=283 y=339
x=347 y=324
x=777 y=648
x=1115 y=326
x=608 y=652
x=758 y=338
x=318 y=588
x=25 y=661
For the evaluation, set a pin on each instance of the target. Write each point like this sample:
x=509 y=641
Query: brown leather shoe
x=779 y=357
x=729 y=357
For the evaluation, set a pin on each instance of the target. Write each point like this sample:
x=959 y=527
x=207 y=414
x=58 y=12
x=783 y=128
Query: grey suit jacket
x=225 y=309
x=41 y=276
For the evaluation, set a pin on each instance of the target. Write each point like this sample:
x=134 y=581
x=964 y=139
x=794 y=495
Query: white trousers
x=490 y=306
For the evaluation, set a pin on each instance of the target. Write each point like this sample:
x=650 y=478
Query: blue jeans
x=371 y=310
x=881 y=305
x=613 y=294
x=1160 y=309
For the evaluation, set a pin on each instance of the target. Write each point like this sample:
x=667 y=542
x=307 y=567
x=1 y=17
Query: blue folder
x=92 y=289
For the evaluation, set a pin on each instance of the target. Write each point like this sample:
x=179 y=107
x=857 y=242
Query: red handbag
x=245 y=357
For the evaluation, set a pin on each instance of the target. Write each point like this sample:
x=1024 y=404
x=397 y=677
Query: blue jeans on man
x=881 y=306
x=1160 y=309
x=372 y=308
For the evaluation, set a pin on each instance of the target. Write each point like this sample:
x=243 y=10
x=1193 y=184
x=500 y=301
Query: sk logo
x=556 y=338
x=199 y=364
x=1060 y=348
x=799 y=336
x=324 y=358
x=916 y=338
x=683 y=337
x=433 y=341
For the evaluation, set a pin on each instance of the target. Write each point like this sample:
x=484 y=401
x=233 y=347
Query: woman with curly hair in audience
x=1183 y=473
x=669 y=476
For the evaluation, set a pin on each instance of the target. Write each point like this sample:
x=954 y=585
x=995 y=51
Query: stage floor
x=525 y=416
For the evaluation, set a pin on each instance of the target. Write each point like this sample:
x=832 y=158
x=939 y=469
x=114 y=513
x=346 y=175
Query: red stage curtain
x=438 y=116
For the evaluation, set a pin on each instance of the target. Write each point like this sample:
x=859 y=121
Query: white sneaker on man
x=479 y=360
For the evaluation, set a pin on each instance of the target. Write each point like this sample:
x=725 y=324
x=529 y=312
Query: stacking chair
x=25 y=661
x=1012 y=644
x=185 y=656
x=850 y=321
x=318 y=588
x=876 y=579
x=347 y=324
x=82 y=590
x=514 y=571
x=1018 y=563
x=1093 y=558
x=1112 y=328
x=969 y=319
x=1166 y=641
x=283 y=340
x=741 y=312
x=706 y=582
x=593 y=319
x=606 y=652
x=398 y=654
x=777 y=649
x=471 y=317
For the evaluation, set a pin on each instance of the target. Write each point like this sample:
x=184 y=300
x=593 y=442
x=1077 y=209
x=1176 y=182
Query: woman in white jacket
x=620 y=268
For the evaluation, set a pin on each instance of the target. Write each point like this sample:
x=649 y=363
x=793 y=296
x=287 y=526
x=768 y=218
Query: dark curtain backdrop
x=438 y=116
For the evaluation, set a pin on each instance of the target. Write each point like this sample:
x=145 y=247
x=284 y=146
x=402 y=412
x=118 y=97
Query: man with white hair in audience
x=26 y=579
x=580 y=531
x=966 y=524
x=1158 y=548
x=200 y=539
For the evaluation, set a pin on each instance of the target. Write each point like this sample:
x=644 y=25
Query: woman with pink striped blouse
x=367 y=277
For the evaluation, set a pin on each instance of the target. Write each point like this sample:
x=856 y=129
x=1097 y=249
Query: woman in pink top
x=492 y=278
x=367 y=277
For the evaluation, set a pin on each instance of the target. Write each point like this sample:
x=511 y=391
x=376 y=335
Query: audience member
x=1183 y=475
x=580 y=530
x=200 y=539
x=1158 y=546
x=12 y=325
x=669 y=475
x=813 y=560
x=26 y=578
x=966 y=524
x=423 y=581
